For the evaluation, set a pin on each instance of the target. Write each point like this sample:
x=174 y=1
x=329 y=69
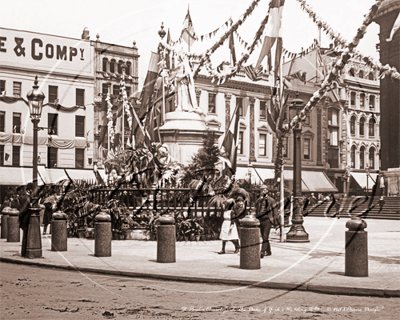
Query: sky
x=124 y=21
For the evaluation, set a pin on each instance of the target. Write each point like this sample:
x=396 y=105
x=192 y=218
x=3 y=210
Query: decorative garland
x=111 y=131
x=125 y=104
x=339 y=41
x=333 y=74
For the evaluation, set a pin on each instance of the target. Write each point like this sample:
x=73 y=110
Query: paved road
x=29 y=292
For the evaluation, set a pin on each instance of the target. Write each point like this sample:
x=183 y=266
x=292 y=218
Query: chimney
x=85 y=34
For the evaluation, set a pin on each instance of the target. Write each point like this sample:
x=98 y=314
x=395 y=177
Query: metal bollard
x=166 y=240
x=13 y=232
x=356 y=256
x=250 y=257
x=102 y=235
x=34 y=239
x=59 y=237
x=4 y=223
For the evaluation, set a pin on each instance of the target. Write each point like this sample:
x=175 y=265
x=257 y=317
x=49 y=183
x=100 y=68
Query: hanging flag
x=272 y=31
x=137 y=129
x=395 y=27
x=151 y=127
x=148 y=87
x=97 y=175
x=232 y=48
x=188 y=35
x=231 y=141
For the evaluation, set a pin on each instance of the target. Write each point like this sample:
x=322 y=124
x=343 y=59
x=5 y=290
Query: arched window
x=362 y=124
x=105 y=64
x=362 y=100
x=362 y=152
x=371 y=102
x=128 y=68
x=120 y=63
x=353 y=125
x=351 y=72
x=371 y=127
x=353 y=156
x=370 y=76
x=353 y=99
x=371 y=159
x=112 y=66
x=361 y=74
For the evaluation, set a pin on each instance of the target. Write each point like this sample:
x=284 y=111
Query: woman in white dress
x=229 y=230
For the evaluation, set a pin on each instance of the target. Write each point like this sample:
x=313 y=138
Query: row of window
x=371 y=126
x=115 y=90
x=52 y=156
x=116 y=67
x=371 y=100
x=52 y=94
x=362 y=163
x=52 y=123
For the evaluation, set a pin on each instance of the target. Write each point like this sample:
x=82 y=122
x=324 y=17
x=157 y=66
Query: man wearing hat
x=267 y=213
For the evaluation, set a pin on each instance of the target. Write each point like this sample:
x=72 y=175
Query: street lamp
x=297 y=232
x=35 y=98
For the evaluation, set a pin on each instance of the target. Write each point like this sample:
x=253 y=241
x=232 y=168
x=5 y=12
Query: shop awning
x=361 y=179
x=313 y=181
x=258 y=175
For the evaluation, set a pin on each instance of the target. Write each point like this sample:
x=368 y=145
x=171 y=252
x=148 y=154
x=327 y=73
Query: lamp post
x=297 y=232
x=35 y=98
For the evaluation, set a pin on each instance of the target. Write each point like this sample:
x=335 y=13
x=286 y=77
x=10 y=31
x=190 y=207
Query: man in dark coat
x=267 y=213
x=24 y=217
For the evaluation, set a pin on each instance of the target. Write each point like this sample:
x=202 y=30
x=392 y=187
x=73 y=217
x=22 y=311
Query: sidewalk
x=315 y=266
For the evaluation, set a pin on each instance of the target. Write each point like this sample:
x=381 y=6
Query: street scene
x=200 y=160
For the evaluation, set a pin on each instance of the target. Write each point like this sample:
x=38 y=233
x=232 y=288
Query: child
x=228 y=229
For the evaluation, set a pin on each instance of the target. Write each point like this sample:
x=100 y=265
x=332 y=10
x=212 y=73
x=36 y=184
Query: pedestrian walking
x=24 y=216
x=229 y=231
x=49 y=203
x=267 y=213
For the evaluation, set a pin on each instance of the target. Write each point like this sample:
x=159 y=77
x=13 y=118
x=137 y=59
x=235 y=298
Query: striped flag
x=188 y=35
x=230 y=142
x=150 y=81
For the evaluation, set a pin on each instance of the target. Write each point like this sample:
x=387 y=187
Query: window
x=333 y=136
x=16 y=156
x=51 y=157
x=2 y=86
x=79 y=126
x=371 y=102
x=211 y=103
x=353 y=125
x=353 y=156
x=128 y=91
x=333 y=117
x=80 y=97
x=112 y=66
x=262 y=145
x=285 y=150
x=333 y=125
x=308 y=120
x=362 y=124
x=307 y=149
x=371 y=127
x=263 y=110
x=128 y=68
x=333 y=157
x=79 y=158
x=239 y=104
x=17 y=89
x=1 y=155
x=105 y=64
x=16 y=122
x=362 y=100
x=105 y=88
x=240 y=144
x=351 y=72
x=2 y=121
x=53 y=94
x=353 y=99
x=52 y=123
x=371 y=159
x=120 y=63
x=115 y=90
x=362 y=152
x=361 y=74
x=371 y=76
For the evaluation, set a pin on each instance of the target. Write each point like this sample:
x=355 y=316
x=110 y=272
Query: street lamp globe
x=35 y=98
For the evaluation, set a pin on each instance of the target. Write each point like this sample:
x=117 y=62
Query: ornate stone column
x=228 y=97
x=252 y=157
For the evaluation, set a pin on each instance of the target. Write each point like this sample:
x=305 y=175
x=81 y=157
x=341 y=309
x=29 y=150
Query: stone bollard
x=59 y=237
x=166 y=239
x=13 y=232
x=102 y=235
x=356 y=256
x=4 y=223
x=34 y=239
x=250 y=257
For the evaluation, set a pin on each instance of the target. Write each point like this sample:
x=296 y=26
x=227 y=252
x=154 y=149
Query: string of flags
x=342 y=44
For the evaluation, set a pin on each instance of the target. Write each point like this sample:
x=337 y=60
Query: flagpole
x=282 y=197
x=230 y=121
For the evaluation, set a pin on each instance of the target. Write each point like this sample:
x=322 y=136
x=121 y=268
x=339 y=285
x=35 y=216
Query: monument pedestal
x=183 y=133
